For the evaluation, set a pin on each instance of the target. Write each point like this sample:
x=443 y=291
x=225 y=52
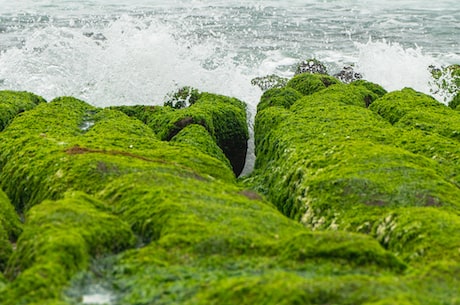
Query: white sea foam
x=395 y=67
x=97 y=299
x=97 y=295
x=132 y=62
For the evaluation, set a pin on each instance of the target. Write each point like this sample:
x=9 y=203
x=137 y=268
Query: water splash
x=131 y=61
x=395 y=67
x=112 y=53
x=98 y=296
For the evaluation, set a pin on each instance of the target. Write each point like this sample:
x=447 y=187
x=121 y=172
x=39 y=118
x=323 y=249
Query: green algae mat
x=354 y=199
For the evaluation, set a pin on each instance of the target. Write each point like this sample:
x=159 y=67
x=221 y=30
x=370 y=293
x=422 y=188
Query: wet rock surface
x=353 y=200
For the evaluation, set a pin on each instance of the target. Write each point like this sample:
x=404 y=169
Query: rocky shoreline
x=354 y=199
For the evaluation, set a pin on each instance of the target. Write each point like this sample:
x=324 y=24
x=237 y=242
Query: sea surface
x=136 y=52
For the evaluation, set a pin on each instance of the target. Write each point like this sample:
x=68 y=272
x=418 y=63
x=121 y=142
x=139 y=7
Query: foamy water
x=125 y=53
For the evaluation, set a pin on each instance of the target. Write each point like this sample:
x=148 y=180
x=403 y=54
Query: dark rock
x=183 y=97
x=348 y=75
x=312 y=66
x=269 y=82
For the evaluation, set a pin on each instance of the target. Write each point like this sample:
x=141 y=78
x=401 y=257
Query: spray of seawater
x=131 y=61
x=139 y=59
x=395 y=67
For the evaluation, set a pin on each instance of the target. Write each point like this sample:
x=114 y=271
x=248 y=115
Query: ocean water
x=136 y=52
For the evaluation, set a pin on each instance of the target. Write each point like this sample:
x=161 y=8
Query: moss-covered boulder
x=13 y=102
x=209 y=236
x=73 y=157
x=88 y=180
x=10 y=228
x=5 y=248
x=223 y=117
x=60 y=238
x=455 y=102
x=109 y=202
x=409 y=109
x=283 y=97
x=307 y=83
x=425 y=127
x=332 y=164
x=396 y=105
x=2 y=282
x=197 y=136
x=445 y=152
x=375 y=88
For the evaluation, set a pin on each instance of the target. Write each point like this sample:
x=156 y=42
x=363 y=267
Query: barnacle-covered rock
x=312 y=66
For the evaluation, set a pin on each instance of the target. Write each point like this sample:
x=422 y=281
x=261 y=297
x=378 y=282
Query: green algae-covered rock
x=10 y=228
x=59 y=239
x=197 y=136
x=283 y=97
x=9 y=220
x=2 y=281
x=206 y=237
x=395 y=105
x=246 y=279
x=12 y=103
x=107 y=202
x=89 y=179
x=419 y=235
x=410 y=109
x=455 y=102
x=307 y=83
x=72 y=157
x=332 y=164
x=441 y=278
x=5 y=249
x=223 y=117
x=375 y=88
x=288 y=288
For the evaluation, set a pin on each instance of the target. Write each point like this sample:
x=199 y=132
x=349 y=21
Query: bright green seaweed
x=111 y=199
x=223 y=117
x=410 y=109
x=332 y=164
x=59 y=239
x=13 y=103
x=10 y=229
